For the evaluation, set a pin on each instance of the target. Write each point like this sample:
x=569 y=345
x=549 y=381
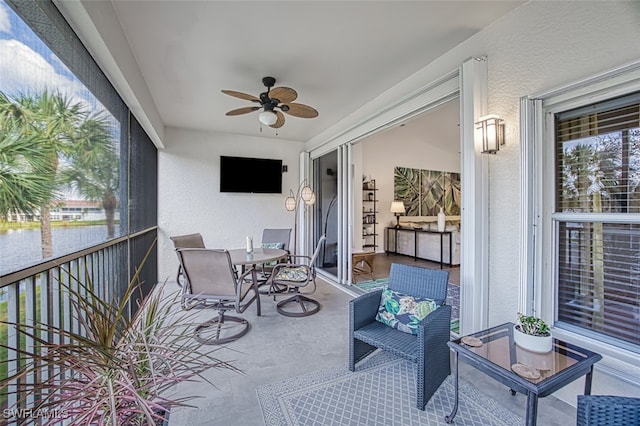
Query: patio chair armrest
x=245 y=274
x=436 y=327
x=240 y=281
x=298 y=256
x=363 y=309
x=279 y=266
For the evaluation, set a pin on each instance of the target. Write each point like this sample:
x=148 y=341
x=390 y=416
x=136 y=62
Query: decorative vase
x=537 y=344
x=441 y=220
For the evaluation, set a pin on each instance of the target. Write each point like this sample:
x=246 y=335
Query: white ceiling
x=439 y=127
x=338 y=55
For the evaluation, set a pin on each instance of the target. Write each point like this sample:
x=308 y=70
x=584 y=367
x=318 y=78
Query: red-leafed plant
x=112 y=369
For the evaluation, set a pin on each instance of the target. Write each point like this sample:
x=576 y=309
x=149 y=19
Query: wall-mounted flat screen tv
x=253 y=175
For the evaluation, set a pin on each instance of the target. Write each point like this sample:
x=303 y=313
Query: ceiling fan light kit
x=268 y=118
x=273 y=103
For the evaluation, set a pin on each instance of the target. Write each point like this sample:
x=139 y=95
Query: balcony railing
x=37 y=296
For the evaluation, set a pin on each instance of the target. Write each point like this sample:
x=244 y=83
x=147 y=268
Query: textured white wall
x=537 y=47
x=189 y=198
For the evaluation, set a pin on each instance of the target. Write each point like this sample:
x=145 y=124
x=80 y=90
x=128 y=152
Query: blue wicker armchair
x=606 y=410
x=428 y=349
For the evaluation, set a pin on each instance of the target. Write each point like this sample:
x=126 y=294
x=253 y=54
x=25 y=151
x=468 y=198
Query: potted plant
x=113 y=369
x=533 y=334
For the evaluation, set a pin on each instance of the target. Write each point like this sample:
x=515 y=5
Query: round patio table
x=240 y=257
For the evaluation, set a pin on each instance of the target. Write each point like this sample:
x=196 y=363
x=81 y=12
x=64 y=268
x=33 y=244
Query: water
x=21 y=248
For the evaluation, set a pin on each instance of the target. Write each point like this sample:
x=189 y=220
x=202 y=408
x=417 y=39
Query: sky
x=28 y=66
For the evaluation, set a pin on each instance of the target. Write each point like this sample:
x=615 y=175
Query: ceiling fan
x=273 y=103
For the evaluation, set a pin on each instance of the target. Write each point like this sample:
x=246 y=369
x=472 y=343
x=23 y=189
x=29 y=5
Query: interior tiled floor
x=279 y=347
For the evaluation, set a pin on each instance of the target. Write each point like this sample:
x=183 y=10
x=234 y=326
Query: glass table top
x=499 y=349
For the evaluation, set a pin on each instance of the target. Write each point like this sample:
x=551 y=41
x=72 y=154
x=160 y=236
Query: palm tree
x=577 y=164
x=23 y=189
x=50 y=120
x=56 y=127
x=94 y=168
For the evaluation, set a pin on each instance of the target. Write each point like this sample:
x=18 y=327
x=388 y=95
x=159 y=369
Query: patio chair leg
x=302 y=302
x=225 y=329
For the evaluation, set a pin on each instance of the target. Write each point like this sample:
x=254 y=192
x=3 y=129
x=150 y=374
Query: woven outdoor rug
x=382 y=391
x=453 y=298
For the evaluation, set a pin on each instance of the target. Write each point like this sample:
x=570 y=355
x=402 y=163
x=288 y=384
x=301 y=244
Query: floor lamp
x=306 y=194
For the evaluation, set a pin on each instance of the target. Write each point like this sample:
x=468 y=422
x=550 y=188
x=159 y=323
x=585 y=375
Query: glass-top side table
x=498 y=353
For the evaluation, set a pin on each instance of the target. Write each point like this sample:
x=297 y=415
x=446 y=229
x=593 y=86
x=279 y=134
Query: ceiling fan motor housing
x=268 y=103
x=268 y=81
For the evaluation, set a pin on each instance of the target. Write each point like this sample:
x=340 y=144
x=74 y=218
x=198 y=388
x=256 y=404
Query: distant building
x=67 y=210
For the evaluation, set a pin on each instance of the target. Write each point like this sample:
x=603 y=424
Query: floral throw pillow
x=403 y=312
x=272 y=246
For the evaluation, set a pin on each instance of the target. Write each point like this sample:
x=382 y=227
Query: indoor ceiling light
x=268 y=118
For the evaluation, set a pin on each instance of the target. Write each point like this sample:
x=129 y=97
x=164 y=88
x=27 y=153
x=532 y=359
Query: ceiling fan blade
x=279 y=121
x=241 y=95
x=301 y=110
x=243 y=110
x=283 y=94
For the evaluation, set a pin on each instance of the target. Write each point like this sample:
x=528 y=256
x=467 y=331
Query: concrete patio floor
x=279 y=347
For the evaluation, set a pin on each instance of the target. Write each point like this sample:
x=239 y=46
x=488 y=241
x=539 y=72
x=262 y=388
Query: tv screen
x=254 y=175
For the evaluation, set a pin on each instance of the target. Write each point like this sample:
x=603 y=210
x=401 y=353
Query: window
x=596 y=221
x=99 y=169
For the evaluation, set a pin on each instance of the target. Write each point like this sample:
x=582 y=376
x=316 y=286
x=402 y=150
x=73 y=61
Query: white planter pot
x=541 y=361
x=531 y=343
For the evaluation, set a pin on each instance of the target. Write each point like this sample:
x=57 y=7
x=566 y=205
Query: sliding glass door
x=325 y=178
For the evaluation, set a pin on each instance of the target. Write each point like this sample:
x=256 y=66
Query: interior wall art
x=425 y=191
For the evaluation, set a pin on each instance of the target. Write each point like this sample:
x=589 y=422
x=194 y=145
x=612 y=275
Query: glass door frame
x=469 y=81
x=343 y=206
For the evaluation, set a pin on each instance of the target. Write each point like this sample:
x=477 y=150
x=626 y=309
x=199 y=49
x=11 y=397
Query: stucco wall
x=538 y=47
x=189 y=198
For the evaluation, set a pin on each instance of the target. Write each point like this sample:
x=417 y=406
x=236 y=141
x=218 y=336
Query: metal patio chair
x=299 y=273
x=211 y=282
x=186 y=241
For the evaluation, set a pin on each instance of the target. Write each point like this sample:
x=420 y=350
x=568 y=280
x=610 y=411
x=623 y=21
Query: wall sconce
x=490 y=129
x=306 y=194
x=397 y=208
